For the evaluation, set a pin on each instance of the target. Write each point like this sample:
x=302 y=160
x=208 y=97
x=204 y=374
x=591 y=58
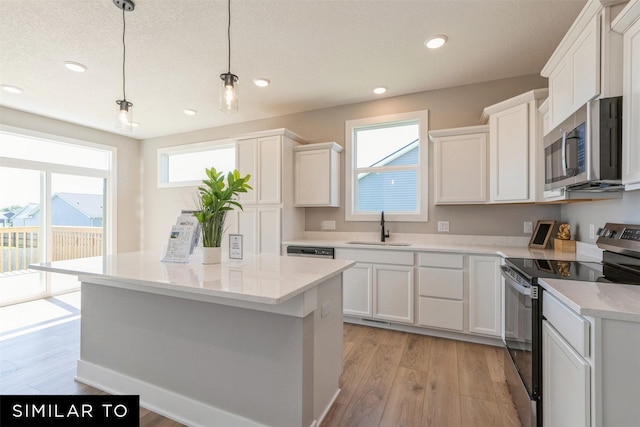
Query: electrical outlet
x=326 y=309
x=592 y=231
x=443 y=226
x=328 y=225
x=528 y=227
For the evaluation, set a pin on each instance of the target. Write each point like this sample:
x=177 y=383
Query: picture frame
x=542 y=234
x=235 y=246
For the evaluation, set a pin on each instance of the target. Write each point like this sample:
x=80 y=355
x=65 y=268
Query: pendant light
x=229 y=82
x=124 y=118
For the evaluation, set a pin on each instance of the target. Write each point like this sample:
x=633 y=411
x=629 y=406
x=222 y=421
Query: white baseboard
x=161 y=401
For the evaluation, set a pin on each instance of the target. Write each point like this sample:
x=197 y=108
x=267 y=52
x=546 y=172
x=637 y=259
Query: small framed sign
x=542 y=234
x=235 y=246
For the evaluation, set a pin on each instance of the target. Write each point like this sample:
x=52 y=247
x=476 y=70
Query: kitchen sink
x=378 y=243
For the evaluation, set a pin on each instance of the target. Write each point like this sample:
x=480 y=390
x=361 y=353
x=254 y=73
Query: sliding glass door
x=52 y=207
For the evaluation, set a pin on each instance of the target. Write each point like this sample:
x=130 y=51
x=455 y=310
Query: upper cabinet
x=269 y=215
x=586 y=64
x=515 y=148
x=460 y=165
x=628 y=24
x=317 y=175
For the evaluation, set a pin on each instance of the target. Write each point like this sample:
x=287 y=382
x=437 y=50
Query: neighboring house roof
x=27 y=212
x=396 y=154
x=89 y=204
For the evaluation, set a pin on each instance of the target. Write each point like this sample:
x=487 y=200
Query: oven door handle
x=518 y=287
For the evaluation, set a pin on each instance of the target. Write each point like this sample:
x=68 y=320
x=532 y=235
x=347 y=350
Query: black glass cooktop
x=573 y=270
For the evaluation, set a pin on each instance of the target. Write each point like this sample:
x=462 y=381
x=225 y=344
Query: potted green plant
x=216 y=198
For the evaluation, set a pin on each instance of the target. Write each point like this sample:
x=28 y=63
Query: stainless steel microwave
x=585 y=151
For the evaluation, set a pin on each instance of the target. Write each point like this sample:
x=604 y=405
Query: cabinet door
x=461 y=168
x=393 y=293
x=631 y=99
x=269 y=227
x=560 y=93
x=509 y=148
x=247 y=225
x=485 y=295
x=357 y=290
x=585 y=65
x=313 y=178
x=247 y=163
x=269 y=169
x=565 y=381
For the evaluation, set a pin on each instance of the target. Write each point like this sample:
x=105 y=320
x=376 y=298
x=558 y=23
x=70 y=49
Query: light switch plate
x=528 y=227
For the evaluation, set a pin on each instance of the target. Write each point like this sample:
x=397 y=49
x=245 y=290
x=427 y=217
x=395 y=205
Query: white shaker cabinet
x=586 y=64
x=485 y=295
x=262 y=158
x=566 y=382
x=460 y=165
x=628 y=23
x=317 y=175
x=269 y=214
x=515 y=148
x=441 y=290
x=379 y=286
x=357 y=290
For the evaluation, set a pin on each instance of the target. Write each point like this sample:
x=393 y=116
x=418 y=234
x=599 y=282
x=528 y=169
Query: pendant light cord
x=229 y=37
x=124 y=56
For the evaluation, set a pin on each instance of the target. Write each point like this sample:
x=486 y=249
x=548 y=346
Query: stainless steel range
x=523 y=307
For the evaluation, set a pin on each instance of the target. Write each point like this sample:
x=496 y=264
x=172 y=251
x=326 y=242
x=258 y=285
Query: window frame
x=164 y=153
x=351 y=170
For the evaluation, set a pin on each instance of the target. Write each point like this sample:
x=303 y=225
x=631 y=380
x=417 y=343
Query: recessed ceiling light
x=135 y=124
x=75 y=66
x=190 y=112
x=11 y=89
x=380 y=90
x=261 y=82
x=436 y=41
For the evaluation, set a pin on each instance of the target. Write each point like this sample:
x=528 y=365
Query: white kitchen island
x=242 y=343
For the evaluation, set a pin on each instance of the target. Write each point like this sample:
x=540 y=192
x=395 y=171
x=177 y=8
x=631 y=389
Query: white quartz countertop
x=597 y=299
x=260 y=278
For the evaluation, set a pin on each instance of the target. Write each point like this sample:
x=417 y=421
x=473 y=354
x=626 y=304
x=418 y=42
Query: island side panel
x=245 y=362
x=328 y=337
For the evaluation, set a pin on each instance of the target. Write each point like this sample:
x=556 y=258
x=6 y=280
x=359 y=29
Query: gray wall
x=448 y=108
x=581 y=215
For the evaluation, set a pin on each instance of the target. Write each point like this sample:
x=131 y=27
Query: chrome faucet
x=383 y=235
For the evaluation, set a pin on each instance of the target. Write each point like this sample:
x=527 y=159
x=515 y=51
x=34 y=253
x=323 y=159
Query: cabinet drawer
x=574 y=328
x=440 y=313
x=431 y=259
x=441 y=283
x=375 y=256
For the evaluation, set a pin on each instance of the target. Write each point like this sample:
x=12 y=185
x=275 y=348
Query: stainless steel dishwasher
x=310 y=251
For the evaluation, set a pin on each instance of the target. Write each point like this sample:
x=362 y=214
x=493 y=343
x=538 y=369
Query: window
x=184 y=166
x=386 y=167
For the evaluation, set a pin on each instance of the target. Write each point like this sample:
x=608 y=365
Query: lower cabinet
x=485 y=295
x=375 y=288
x=441 y=291
x=566 y=382
x=357 y=290
x=450 y=291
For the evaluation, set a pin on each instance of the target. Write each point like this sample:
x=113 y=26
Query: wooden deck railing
x=20 y=246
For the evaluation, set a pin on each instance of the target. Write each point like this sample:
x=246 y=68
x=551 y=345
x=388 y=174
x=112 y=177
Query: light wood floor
x=390 y=378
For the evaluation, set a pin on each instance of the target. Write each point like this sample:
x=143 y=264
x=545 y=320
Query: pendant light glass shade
x=228 y=93
x=124 y=117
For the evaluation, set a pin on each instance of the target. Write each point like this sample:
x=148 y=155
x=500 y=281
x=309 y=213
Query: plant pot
x=211 y=255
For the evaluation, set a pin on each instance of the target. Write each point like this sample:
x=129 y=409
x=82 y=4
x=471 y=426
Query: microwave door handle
x=564 y=154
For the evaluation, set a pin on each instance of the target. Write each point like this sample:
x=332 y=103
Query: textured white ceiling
x=317 y=54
